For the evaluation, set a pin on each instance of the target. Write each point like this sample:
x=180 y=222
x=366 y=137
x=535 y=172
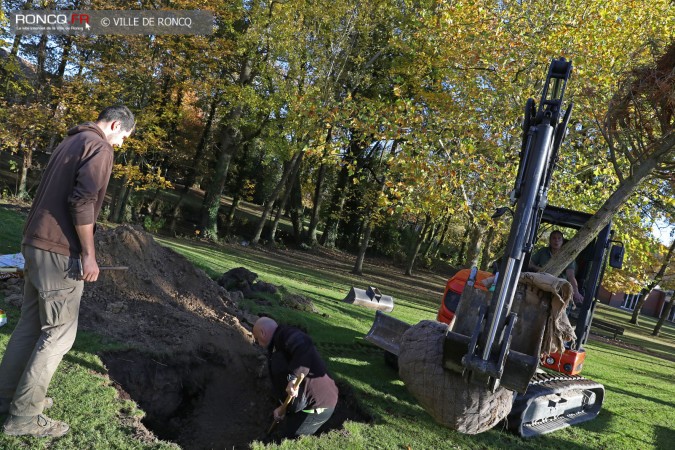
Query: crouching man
x=290 y=354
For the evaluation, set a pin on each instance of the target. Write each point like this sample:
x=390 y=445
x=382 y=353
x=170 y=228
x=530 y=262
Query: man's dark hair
x=120 y=113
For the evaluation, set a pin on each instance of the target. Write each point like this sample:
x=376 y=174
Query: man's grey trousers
x=45 y=332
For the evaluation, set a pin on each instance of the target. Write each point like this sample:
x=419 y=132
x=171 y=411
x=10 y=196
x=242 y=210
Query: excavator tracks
x=554 y=401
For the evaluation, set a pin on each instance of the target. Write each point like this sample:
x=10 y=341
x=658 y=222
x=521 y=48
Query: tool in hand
x=287 y=402
x=80 y=269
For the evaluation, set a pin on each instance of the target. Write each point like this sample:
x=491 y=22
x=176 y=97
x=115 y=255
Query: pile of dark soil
x=189 y=361
x=162 y=303
x=192 y=365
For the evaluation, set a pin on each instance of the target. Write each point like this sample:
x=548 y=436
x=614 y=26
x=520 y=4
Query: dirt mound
x=191 y=355
x=191 y=364
x=162 y=302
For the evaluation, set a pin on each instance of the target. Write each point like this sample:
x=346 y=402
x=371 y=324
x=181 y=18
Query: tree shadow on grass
x=637 y=395
x=664 y=437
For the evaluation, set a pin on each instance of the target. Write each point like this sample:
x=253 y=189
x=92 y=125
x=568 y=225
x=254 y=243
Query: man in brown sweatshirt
x=58 y=248
x=291 y=353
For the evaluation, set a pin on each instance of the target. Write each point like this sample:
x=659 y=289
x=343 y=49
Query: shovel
x=19 y=271
x=287 y=402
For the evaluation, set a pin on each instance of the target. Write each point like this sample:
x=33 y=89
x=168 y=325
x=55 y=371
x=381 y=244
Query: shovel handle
x=288 y=401
x=113 y=267
x=19 y=271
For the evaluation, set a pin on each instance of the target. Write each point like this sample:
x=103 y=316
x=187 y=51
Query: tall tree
x=640 y=127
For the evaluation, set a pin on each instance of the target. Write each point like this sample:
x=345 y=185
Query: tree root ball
x=451 y=401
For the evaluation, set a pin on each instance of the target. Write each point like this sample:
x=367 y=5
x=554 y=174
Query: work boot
x=5 y=402
x=38 y=426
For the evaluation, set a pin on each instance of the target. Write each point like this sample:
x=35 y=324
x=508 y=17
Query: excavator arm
x=487 y=338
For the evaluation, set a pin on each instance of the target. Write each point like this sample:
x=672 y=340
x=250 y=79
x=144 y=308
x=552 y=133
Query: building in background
x=654 y=306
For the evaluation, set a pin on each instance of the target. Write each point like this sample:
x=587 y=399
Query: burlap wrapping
x=558 y=327
x=444 y=394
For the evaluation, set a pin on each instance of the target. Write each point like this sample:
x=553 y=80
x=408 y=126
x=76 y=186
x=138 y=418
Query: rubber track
x=543 y=384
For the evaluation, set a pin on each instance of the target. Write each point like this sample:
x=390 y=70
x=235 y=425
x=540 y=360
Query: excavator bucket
x=386 y=332
x=515 y=361
x=370 y=298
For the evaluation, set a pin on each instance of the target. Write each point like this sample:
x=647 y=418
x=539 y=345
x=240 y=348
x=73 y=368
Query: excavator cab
x=590 y=267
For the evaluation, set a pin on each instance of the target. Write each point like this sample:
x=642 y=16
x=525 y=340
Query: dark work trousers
x=302 y=423
x=295 y=423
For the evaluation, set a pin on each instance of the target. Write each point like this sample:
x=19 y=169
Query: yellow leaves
x=141 y=179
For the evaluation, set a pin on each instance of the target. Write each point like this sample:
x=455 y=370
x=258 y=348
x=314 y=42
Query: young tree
x=665 y=265
x=664 y=315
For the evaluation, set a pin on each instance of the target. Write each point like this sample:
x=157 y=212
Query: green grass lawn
x=11 y=226
x=637 y=413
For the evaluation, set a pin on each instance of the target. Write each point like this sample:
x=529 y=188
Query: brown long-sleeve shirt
x=71 y=191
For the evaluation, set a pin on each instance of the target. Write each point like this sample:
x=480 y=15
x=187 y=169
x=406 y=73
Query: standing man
x=543 y=255
x=58 y=247
x=291 y=353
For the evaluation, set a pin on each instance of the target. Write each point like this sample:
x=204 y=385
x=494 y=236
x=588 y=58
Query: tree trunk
x=611 y=206
x=318 y=200
x=446 y=225
x=652 y=284
x=462 y=248
x=229 y=221
x=120 y=198
x=201 y=147
x=664 y=316
x=296 y=211
x=22 y=190
x=367 y=229
x=65 y=54
x=487 y=249
x=360 y=258
x=429 y=242
x=338 y=198
x=191 y=175
x=474 y=245
x=275 y=194
x=416 y=248
x=60 y=72
x=337 y=204
x=295 y=168
x=42 y=61
x=211 y=203
x=229 y=143
x=316 y=208
x=237 y=194
x=119 y=202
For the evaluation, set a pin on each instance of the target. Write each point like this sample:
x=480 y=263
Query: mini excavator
x=496 y=337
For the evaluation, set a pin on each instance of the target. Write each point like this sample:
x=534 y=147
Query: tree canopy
x=396 y=118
